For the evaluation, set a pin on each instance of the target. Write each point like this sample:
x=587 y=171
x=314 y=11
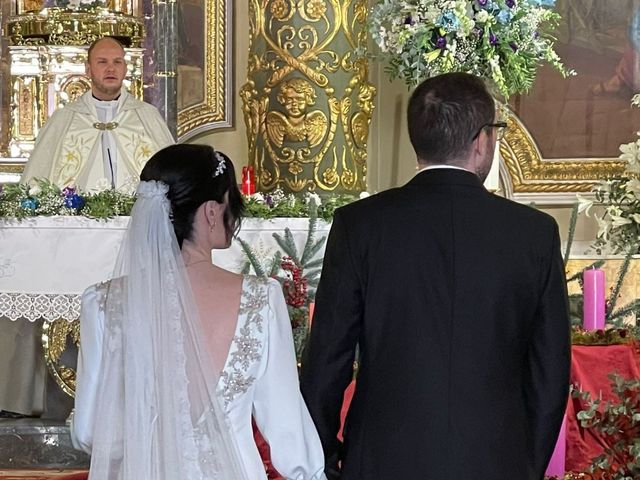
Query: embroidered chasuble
x=89 y=142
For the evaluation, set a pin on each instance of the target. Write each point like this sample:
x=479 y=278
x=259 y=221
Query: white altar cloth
x=47 y=262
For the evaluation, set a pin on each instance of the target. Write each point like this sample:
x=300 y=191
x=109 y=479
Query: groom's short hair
x=444 y=114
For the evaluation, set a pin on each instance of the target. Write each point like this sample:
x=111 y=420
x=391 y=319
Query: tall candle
x=594 y=299
x=557 y=463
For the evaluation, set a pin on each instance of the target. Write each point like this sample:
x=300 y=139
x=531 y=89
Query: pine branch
x=578 y=275
x=572 y=231
x=622 y=273
x=314 y=263
x=275 y=264
x=251 y=256
x=619 y=315
x=313 y=224
x=288 y=245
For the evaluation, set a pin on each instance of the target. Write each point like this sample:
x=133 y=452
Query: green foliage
x=619 y=422
x=306 y=262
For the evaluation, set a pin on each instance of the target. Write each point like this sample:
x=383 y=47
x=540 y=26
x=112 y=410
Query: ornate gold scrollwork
x=55 y=337
x=54 y=26
x=530 y=173
x=307 y=103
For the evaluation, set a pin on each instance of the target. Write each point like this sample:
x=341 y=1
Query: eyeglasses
x=500 y=126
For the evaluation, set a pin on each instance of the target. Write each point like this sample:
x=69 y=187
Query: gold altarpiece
x=45 y=56
x=307 y=103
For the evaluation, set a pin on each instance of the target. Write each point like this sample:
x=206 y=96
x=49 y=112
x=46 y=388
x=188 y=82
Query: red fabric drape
x=590 y=369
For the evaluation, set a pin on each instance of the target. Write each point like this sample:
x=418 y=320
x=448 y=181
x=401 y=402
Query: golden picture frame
x=563 y=137
x=204 y=67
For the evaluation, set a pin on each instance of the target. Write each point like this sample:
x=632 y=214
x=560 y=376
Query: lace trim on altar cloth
x=33 y=306
x=246 y=346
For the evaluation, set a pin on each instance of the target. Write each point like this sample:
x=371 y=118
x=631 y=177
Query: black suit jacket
x=457 y=299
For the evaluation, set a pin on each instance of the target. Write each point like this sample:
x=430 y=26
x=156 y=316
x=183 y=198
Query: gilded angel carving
x=296 y=95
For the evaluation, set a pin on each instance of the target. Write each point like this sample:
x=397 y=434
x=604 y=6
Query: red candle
x=594 y=299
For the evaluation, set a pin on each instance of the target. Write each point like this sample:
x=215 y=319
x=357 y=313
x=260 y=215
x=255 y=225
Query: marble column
x=165 y=28
x=307 y=102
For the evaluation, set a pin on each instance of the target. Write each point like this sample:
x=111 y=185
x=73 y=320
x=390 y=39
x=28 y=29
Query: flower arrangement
x=41 y=197
x=501 y=40
x=619 y=226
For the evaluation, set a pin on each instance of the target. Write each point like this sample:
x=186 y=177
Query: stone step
x=38 y=443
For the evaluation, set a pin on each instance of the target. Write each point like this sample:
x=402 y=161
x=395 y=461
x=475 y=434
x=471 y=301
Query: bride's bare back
x=217 y=293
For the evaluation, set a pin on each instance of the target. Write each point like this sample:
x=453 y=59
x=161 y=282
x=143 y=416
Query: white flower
x=603 y=228
x=129 y=186
x=635 y=217
x=618 y=221
x=258 y=197
x=101 y=185
x=364 y=195
x=633 y=186
x=316 y=198
x=482 y=16
x=35 y=190
x=584 y=204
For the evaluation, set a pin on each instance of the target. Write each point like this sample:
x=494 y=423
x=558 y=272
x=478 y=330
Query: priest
x=106 y=134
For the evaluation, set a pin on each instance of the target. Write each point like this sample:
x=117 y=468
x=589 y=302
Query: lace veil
x=158 y=415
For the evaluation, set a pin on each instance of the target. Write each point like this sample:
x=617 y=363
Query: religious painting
x=566 y=133
x=204 y=66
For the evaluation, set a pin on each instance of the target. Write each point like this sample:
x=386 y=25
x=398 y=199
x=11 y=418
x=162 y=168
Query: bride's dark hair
x=195 y=175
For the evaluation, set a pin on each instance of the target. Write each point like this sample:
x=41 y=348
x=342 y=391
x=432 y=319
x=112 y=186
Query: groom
x=457 y=300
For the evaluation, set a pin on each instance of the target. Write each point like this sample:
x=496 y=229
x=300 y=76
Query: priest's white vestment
x=69 y=148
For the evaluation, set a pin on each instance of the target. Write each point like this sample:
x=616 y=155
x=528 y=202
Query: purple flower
x=482 y=2
x=493 y=40
x=269 y=200
x=409 y=20
x=510 y=3
x=441 y=42
x=68 y=191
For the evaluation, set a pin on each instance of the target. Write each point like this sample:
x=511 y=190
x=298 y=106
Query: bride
x=177 y=354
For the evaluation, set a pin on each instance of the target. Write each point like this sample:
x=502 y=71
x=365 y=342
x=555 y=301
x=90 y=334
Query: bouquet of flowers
x=501 y=40
x=619 y=226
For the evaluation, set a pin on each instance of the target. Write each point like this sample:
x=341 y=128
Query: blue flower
x=74 y=201
x=504 y=17
x=448 y=21
x=542 y=3
x=29 y=203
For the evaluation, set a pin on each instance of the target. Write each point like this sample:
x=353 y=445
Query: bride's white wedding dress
x=259 y=379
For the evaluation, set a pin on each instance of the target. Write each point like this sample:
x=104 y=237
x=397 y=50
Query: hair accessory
x=222 y=165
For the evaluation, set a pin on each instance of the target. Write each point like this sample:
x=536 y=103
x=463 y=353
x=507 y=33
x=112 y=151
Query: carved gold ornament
x=213 y=109
x=530 y=177
x=307 y=103
x=54 y=26
x=55 y=338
